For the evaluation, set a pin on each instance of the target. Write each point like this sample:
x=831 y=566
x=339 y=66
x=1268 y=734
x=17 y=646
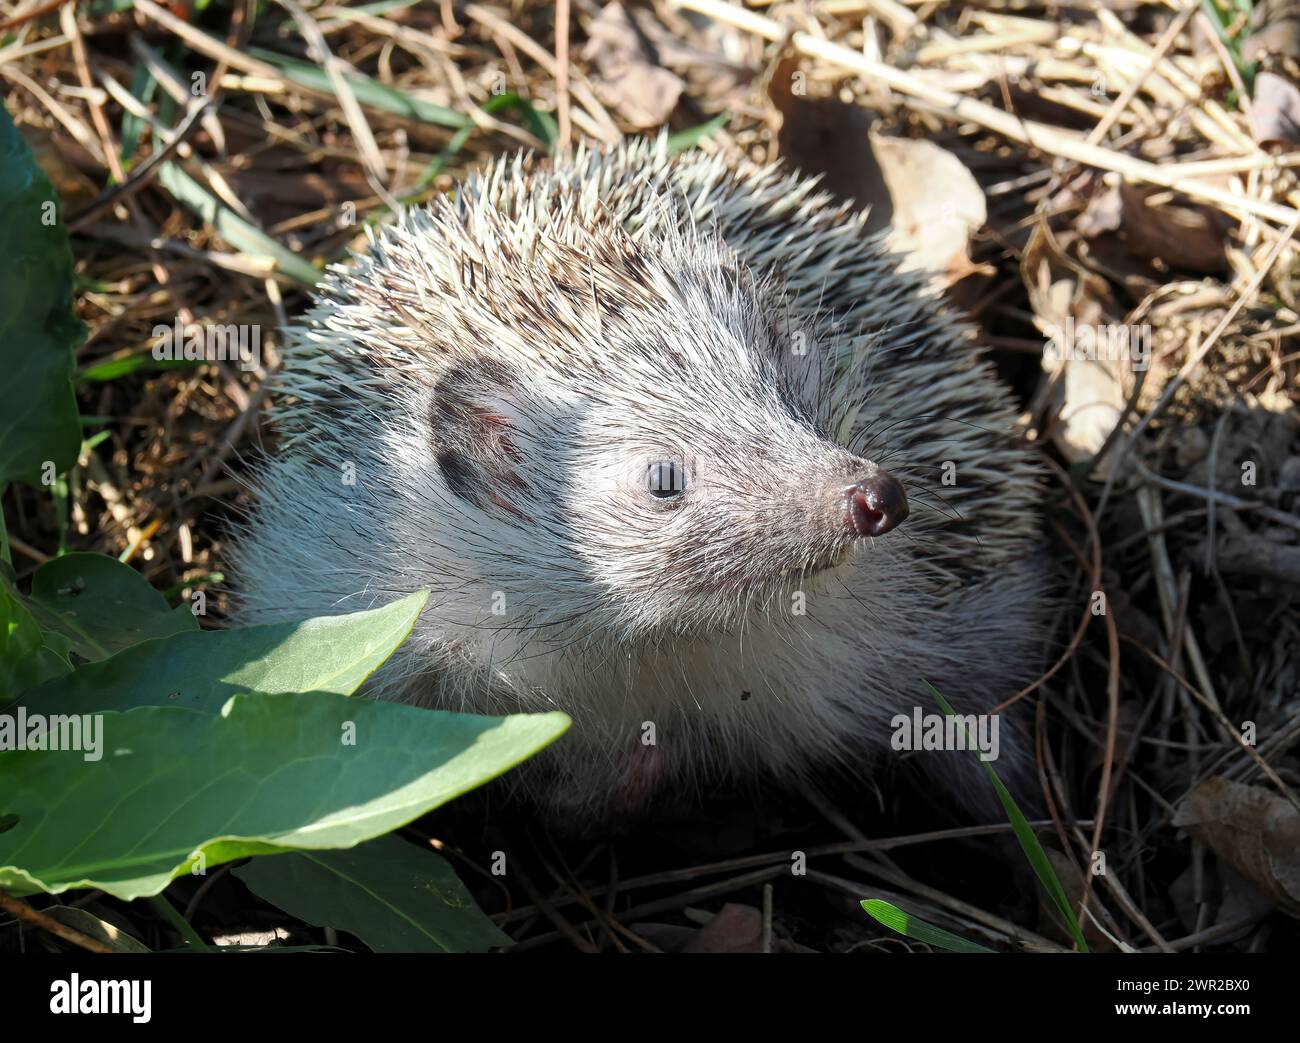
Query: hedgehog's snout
x=875 y=505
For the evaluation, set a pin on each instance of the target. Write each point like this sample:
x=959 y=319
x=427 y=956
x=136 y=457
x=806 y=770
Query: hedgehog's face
x=714 y=488
x=671 y=479
x=695 y=516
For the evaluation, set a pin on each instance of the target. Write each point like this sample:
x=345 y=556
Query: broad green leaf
x=176 y=789
x=393 y=895
x=1025 y=835
x=102 y=605
x=202 y=669
x=38 y=330
x=26 y=656
x=910 y=927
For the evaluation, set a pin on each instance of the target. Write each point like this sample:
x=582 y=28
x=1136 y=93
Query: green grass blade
x=143 y=86
x=368 y=92
x=384 y=6
x=182 y=925
x=112 y=369
x=692 y=136
x=910 y=927
x=540 y=123
x=231 y=227
x=1025 y=835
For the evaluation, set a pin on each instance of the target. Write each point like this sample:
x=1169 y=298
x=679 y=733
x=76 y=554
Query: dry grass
x=208 y=208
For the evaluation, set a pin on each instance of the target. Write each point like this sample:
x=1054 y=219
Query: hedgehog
x=677 y=449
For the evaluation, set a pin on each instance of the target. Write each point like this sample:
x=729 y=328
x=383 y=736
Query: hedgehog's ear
x=473 y=420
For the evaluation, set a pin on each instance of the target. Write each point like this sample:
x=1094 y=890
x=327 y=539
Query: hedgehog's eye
x=666 y=479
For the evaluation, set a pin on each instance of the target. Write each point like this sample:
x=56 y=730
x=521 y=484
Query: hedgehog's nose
x=876 y=505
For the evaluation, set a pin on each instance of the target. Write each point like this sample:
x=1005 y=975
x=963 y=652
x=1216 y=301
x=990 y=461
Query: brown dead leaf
x=1274 y=43
x=829 y=137
x=736 y=928
x=1231 y=898
x=1180 y=235
x=1067 y=300
x=1274 y=31
x=1134 y=622
x=923 y=193
x=1275 y=114
x=1074 y=884
x=628 y=76
x=1267 y=555
x=1288 y=475
x=1254 y=830
x=75 y=189
x=710 y=54
x=937 y=206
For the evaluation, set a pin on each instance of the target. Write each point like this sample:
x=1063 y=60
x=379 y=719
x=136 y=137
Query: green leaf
x=112 y=369
x=27 y=658
x=1223 y=19
x=541 y=124
x=38 y=330
x=368 y=92
x=192 y=939
x=206 y=579
x=692 y=136
x=1025 y=835
x=176 y=788
x=910 y=927
x=202 y=669
x=384 y=6
x=391 y=894
x=101 y=605
x=233 y=228
x=92 y=926
x=143 y=86
x=89 y=604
